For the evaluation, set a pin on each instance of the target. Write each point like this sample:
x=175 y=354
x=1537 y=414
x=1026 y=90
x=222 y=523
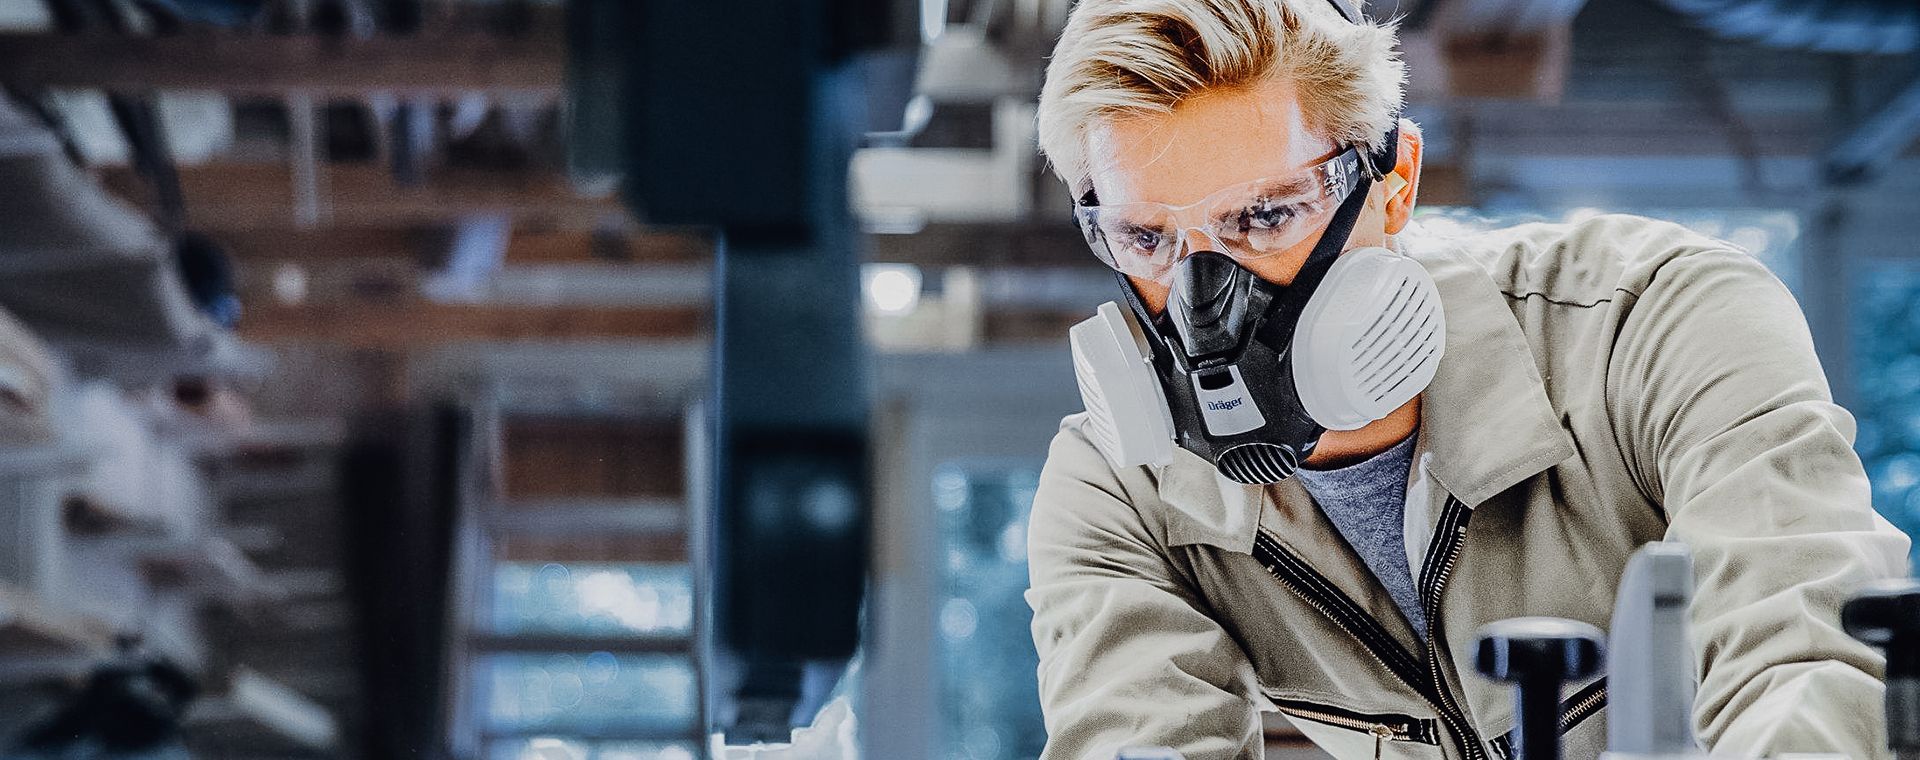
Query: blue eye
x=1143 y=239
x=1266 y=216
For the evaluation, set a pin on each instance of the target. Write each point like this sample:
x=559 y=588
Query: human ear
x=1403 y=184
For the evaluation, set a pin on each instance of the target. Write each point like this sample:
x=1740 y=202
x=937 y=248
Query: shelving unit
x=81 y=568
x=606 y=528
x=255 y=710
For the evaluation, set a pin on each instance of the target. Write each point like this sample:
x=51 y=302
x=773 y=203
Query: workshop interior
x=672 y=379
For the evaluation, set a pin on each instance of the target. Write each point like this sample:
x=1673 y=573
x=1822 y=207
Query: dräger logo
x=1221 y=406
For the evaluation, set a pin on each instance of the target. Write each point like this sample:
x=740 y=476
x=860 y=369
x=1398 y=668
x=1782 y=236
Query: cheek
x=1281 y=267
x=1153 y=294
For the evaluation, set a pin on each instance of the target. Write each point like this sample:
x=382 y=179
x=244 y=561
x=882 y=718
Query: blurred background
x=349 y=408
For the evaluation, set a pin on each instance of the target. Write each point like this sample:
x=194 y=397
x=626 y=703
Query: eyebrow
x=1287 y=188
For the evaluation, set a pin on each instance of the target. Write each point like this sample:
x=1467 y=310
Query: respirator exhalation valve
x=1258 y=463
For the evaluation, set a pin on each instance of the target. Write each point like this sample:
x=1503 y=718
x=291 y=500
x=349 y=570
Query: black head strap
x=1356 y=169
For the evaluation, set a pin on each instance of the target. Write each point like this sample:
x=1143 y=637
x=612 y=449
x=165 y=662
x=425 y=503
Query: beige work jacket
x=1606 y=384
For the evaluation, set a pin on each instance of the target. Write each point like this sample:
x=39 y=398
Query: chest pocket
x=1347 y=733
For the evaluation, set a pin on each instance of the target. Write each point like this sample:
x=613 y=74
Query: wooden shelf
x=578 y=516
x=212 y=568
x=31 y=630
x=52 y=458
x=260 y=708
x=235 y=62
x=486 y=642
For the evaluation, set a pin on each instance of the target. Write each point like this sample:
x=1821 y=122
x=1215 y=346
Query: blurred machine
x=1650 y=619
x=1887 y=615
x=1651 y=676
x=741 y=118
x=1652 y=680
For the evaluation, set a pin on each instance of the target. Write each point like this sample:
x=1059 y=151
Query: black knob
x=1538 y=655
x=1887 y=615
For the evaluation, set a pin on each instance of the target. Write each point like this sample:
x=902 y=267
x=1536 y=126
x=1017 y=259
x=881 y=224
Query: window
x=1886 y=349
x=580 y=642
x=592 y=599
x=990 y=707
x=557 y=748
x=594 y=694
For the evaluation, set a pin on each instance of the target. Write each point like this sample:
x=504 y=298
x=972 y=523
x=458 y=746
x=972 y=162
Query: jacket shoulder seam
x=1583 y=304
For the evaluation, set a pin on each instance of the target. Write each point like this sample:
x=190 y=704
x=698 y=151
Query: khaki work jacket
x=1606 y=384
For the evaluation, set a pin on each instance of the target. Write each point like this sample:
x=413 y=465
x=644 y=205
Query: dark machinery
x=1538 y=655
x=132 y=705
x=1887 y=615
x=742 y=117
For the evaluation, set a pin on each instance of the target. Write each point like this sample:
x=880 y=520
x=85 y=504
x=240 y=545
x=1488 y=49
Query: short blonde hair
x=1122 y=58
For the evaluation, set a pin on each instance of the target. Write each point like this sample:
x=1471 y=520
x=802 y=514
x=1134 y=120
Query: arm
x=1128 y=657
x=1725 y=414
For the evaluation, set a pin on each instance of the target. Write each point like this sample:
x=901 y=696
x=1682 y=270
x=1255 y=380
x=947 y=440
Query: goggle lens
x=1246 y=221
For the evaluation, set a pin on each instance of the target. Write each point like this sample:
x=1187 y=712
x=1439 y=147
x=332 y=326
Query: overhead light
x=891 y=288
x=933 y=19
x=290 y=283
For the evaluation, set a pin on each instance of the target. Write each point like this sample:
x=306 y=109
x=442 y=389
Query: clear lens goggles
x=1246 y=221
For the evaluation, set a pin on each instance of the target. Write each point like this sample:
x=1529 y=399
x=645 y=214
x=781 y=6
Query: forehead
x=1212 y=140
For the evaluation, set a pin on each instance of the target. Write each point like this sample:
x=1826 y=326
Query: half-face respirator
x=1240 y=371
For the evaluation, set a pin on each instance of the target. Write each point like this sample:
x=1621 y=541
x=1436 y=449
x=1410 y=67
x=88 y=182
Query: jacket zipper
x=1576 y=710
x=1391 y=727
x=1434 y=576
x=1323 y=596
x=1320 y=594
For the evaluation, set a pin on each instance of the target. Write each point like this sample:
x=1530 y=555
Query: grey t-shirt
x=1366 y=502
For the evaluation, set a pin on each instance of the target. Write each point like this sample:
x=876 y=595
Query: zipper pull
x=1381 y=733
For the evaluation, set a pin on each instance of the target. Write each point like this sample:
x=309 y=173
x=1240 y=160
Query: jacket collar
x=1485 y=420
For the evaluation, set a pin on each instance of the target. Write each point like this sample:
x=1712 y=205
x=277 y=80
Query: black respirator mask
x=1248 y=374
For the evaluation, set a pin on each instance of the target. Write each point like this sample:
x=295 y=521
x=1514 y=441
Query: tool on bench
x=1650 y=678
x=1887 y=615
x=1538 y=655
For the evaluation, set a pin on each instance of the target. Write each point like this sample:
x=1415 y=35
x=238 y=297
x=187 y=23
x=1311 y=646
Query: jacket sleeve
x=1128 y=655
x=1726 y=416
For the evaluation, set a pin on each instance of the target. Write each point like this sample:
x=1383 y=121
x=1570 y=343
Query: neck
x=1339 y=448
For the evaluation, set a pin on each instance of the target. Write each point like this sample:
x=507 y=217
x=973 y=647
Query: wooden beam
x=260 y=197
x=1030 y=244
x=566 y=457
x=243 y=63
x=1027 y=244
x=651 y=246
x=428 y=244
x=421 y=325
x=1447 y=66
x=417 y=325
x=594 y=549
x=267 y=245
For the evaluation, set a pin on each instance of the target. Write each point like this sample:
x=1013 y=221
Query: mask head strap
x=1334 y=240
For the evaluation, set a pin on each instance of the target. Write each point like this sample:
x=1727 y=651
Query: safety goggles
x=1247 y=221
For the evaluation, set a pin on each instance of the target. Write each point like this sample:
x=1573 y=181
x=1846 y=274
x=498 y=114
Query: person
x=1574 y=391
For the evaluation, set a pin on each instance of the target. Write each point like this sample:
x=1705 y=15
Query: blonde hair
x=1123 y=58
